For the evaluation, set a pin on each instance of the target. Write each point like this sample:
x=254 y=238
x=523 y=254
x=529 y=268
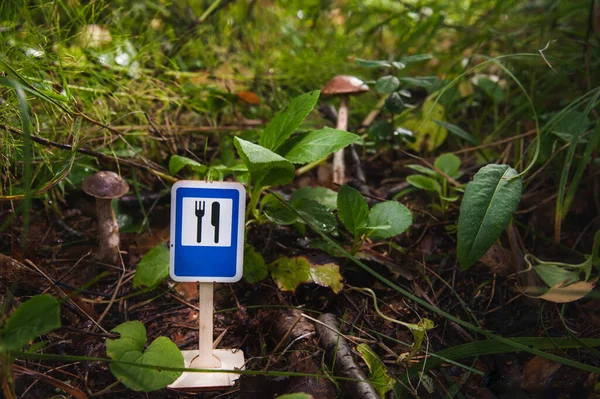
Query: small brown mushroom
x=106 y=186
x=343 y=87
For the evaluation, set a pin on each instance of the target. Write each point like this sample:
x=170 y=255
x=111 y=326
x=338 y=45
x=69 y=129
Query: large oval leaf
x=36 y=316
x=488 y=204
x=265 y=167
x=162 y=352
x=389 y=213
x=318 y=144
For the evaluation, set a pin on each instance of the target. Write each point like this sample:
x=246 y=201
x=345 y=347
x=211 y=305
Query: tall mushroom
x=343 y=87
x=106 y=186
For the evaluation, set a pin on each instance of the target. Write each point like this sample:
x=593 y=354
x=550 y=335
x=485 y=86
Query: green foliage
x=385 y=220
x=318 y=144
x=286 y=121
x=295 y=396
x=322 y=195
x=266 y=167
x=34 y=317
x=378 y=374
x=387 y=84
x=129 y=349
x=487 y=207
x=255 y=268
x=392 y=214
x=435 y=182
x=428 y=134
x=153 y=268
x=353 y=209
x=288 y=273
x=177 y=162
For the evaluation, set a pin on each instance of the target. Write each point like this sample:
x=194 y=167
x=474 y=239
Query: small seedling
x=433 y=181
x=385 y=220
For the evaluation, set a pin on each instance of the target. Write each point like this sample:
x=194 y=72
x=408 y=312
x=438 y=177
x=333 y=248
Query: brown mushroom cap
x=343 y=84
x=105 y=185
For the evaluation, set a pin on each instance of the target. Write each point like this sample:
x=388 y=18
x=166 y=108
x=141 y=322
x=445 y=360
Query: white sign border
x=241 y=228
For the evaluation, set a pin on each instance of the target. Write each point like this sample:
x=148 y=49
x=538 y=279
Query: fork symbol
x=200 y=206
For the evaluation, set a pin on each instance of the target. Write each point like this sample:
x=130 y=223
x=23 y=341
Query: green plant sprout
x=433 y=181
x=418 y=330
x=384 y=220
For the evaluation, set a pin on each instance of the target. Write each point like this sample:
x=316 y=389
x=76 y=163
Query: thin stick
x=205 y=335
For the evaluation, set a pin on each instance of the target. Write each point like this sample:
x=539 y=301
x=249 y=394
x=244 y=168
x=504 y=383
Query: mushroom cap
x=105 y=185
x=344 y=84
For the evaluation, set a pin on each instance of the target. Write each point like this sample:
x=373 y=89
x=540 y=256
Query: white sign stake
x=206 y=359
x=207 y=246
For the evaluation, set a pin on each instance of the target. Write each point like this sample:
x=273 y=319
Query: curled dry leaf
x=561 y=293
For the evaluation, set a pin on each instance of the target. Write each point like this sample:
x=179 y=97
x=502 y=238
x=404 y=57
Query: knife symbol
x=215 y=219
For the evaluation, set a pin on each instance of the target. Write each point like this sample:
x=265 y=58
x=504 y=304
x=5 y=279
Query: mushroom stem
x=108 y=231
x=339 y=167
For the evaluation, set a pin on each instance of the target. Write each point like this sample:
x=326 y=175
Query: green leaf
x=421 y=81
x=353 y=209
x=394 y=103
x=276 y=212
x=428 y=135
x=373 y=63
x=255 y=268
x=162 y=352
x=492 y=89
x=424 y=183
x=423 y=169
x=287 y=120
x=177 y=162
x=318 y=144
x=381 y=130
x=391 y=213
x=36 y=316
x=554 y=275
x=265 y=167
x=387 y=84
x=316 y=214
x=322 y=195
x=448 y=163
x=416 y=58
x=328 y=275
x=457 y=131
x=288 y=273
x=153 y=269
x=378 y=375
x=295 y=396
x=487 y=207
x=573 y=123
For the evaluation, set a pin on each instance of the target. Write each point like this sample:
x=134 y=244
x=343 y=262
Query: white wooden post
x=206 y=359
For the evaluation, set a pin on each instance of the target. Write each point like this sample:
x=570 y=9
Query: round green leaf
x=448 y=163
x=161 y=353
x=391 y=213
x=387 y=84
x=394 y=103
x=487 y=207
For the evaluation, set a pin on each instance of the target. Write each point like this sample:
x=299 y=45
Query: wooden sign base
x=196 y=381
